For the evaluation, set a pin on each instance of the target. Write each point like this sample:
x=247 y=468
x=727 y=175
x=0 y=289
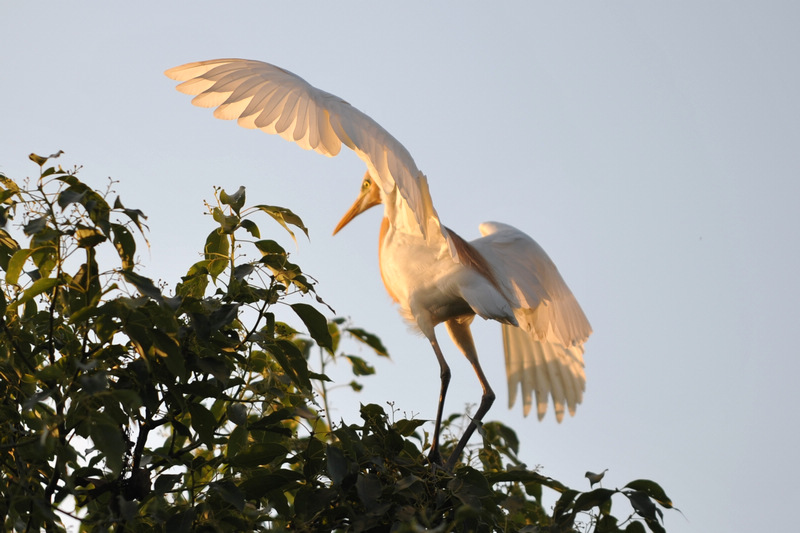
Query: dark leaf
x=35 y=226
x=635 y=527
x=229 y=492
x=337 y=465
x=360 y=367
x=262 y=481
x=144 y=285
x=251 y=228
x=595 y=498
x=89 y=237
x=125 y=245
x=652 y=489
x=216 y=252
x=235 y=200
x=316 y=323
x=261 y=453
x=133 y=214
x=165 y=482
x=203 y=422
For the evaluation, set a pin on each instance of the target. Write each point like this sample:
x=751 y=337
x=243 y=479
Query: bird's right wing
x=544 y=355
x=261 y=95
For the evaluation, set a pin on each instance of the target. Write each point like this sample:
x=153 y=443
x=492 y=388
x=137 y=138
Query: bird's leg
x=434 y=456
x=462 y=337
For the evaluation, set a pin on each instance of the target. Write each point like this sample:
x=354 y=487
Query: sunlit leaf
x=125 y=245
x=89 y=237
x=284 y=217
x=38 y=287
x=15 y=265
x=227 y=223
x=217 y=252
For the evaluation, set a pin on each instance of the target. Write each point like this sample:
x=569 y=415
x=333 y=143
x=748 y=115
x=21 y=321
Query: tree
x=126 y=407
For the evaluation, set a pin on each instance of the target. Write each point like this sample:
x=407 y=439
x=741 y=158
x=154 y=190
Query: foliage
x=125 y=408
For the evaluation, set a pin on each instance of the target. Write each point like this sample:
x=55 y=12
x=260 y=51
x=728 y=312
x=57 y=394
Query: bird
x=595 y=478
x=433 y=275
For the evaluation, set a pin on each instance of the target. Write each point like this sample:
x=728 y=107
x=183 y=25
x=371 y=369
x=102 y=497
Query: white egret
x=433 y=275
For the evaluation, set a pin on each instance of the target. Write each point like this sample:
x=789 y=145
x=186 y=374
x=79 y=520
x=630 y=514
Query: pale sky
x=652 y=149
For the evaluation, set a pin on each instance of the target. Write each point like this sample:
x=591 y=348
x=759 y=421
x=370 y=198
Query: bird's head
x=369 y=196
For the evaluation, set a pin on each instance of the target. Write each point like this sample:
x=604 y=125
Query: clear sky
x=653 y=149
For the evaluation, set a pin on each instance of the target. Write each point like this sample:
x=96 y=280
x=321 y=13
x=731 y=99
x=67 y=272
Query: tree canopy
x=126 y=405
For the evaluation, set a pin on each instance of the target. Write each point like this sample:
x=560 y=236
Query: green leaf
x=144 y=285
x=251 y=228
x=270 y=247
x=316 y=323
x=652 y=489
x=228 y=224
x=15 y=265
x=217 y=252
x=125 y=245
x=133 y=214
x=89 y=237
x=407 y=427
x=235 y=200
x=38 y=287
x=360 y=367
x=595 y=498
x=283 y=217
x=291 y=359
x=369 y=339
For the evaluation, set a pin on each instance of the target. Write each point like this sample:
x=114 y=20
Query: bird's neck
x=381 y=238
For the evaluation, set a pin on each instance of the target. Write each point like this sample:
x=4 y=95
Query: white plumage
x=434 y=275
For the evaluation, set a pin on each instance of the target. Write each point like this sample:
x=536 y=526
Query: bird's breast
x=430 y=286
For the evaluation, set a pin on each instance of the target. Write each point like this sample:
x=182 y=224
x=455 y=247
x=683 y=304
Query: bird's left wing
x=544 y=355
x=261 y=95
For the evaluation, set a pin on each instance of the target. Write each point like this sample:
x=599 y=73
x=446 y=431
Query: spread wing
x=544 y=355
x=263 y=96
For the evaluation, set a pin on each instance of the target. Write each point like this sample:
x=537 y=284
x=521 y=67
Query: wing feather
x=544 y=355
x=260 y=95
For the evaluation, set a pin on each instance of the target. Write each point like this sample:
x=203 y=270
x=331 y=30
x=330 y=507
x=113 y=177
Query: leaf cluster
x=128 y=407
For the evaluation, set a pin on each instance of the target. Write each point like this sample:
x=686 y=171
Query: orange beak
x=370 y=196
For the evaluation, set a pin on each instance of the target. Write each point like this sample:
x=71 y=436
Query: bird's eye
x=365 y=184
